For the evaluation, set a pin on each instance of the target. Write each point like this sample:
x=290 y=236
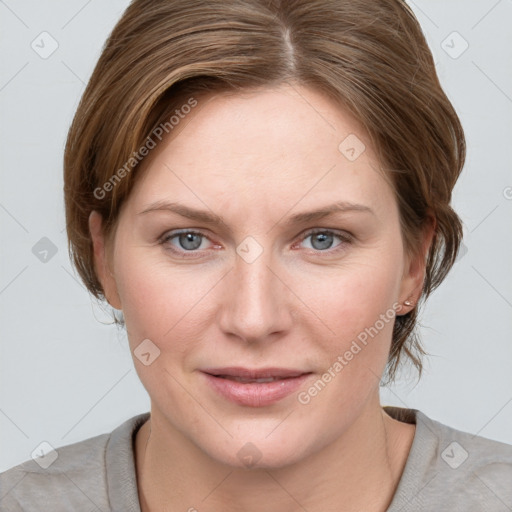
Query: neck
x=359 y=471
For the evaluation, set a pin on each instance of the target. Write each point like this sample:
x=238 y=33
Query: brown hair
x=371 y=57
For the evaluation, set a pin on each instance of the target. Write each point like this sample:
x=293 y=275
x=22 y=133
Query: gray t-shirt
x=446 y=470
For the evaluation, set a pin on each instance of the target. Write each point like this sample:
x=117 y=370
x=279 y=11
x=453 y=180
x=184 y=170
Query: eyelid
x=338 y=232
x=166 y=237
x=175 y=232
x=344 y=236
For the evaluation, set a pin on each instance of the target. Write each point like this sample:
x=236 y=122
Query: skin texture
x=256 y=159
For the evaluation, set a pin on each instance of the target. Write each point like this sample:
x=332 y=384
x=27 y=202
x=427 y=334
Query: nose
x=257 y=303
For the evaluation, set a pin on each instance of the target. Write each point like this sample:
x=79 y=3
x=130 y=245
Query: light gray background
x=66 y=376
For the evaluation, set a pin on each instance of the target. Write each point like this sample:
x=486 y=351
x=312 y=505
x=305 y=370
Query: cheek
x=357 y=308
x=142 y=295
x=160 y=302
x=353 y=298
x=157 y=306
x=362 y=316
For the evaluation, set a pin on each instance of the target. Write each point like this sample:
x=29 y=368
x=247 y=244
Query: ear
x=414 y=271
x=101 y=263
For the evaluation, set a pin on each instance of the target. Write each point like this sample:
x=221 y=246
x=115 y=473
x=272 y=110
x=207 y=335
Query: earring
x=407 y=303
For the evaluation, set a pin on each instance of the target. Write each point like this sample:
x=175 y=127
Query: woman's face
x=293 y=263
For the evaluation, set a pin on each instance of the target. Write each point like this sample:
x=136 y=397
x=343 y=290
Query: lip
x=255 y=394
x=256 y=373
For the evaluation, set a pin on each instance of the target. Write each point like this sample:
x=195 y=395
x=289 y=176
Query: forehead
x=264 y=149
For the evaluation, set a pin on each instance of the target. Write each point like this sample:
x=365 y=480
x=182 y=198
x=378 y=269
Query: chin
x=253 y=452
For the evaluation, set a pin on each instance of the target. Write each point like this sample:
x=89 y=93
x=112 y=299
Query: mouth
x=255 y=388
x=247 y=379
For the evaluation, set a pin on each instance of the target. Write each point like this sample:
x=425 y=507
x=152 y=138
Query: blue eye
x=190 y=243
x=187 y=241
x=323 y=240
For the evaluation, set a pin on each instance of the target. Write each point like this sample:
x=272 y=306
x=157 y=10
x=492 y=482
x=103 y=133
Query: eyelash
x=346 y=238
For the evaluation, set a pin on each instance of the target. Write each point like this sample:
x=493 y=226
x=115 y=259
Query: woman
x=263 y=189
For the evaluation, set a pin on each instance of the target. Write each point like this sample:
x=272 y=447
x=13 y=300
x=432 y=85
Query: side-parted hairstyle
x=369 y=56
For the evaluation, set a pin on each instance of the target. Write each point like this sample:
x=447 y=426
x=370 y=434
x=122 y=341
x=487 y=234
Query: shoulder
x=67 y=474
x=454 y=470
x=475 y=465
x=72 y=477
x=458 y=448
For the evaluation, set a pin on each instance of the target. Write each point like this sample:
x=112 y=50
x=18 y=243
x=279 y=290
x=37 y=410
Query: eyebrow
x=208 y=217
